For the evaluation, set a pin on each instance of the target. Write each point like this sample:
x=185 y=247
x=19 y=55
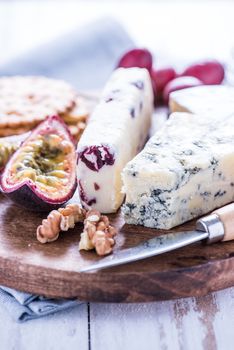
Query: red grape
x=209 y=72
x=141 y=58
x=161 y=77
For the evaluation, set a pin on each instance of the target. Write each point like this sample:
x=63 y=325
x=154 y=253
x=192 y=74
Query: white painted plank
x=224 y=319
x=62 y=331
x=191 y=324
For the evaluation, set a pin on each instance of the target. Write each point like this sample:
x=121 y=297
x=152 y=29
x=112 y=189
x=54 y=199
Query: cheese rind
x=116 y=132
x=185 y=170
x=210 y=101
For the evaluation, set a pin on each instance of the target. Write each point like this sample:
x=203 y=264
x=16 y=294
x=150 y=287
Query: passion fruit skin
x=26 y=198
x=26 y=194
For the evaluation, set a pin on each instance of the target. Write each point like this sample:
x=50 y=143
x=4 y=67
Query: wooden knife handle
x=226 y=215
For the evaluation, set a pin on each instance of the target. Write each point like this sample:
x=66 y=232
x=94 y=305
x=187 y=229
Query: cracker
x=79 y=113
x=77 y=130
x=26 y=101
x=9 y=131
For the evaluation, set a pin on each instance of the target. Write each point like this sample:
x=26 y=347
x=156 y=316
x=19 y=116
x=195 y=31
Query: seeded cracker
x=26 y=101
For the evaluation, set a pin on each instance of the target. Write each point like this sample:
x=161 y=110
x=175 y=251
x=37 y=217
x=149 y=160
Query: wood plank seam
x=89 y=327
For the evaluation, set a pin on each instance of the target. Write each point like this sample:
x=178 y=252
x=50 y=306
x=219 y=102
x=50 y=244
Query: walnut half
x=98 y=234
x=59 y=220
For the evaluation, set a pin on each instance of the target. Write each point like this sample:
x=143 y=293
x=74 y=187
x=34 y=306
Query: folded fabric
x=24 y=306
x=85 y=58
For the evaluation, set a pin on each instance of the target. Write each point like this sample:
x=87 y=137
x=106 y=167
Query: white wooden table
x=193 y=323
x=175 y=31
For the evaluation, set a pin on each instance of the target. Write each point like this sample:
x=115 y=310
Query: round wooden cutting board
x=53 y=269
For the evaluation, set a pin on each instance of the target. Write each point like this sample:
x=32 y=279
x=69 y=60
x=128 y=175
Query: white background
x=176 y=31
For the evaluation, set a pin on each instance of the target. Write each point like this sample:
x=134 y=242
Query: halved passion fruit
x=41 y=173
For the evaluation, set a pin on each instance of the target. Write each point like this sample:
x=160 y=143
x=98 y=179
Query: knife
x=218 y=226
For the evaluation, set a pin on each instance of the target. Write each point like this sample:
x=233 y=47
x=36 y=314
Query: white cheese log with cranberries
x=116 y=132
x=185 y=170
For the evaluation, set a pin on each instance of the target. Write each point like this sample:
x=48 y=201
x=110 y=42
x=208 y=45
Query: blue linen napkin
x=23 y=306
x=85 y=58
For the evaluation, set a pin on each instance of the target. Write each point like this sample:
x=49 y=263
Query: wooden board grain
x=53 y=269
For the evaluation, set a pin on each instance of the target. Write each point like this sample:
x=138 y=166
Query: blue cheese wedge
x=212 y=101
x=116 y=132
x=185 y=170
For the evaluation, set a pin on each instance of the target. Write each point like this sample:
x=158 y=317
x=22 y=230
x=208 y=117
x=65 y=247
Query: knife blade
x=218 y=226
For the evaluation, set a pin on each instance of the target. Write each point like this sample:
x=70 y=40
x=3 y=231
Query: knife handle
x=226 y=216
x=219 y=225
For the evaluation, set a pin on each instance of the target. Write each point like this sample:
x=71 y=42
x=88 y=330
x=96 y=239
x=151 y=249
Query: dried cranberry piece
x=95 y=157
x=92 y=201
x=82 y=192
x=96 y=186
x=83 y=196
x=141 y=58
x=179 y=84
x=209 y=72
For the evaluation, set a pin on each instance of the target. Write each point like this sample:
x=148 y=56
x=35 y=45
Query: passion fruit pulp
x=8 y=145
x=41 y=174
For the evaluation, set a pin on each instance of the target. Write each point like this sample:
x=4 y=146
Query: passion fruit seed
x=53 y=181
x=66 y=147
x=45 y=187
x=29 y=161
x=17 y=166
x=44 y=165
x=36 y=144
x=42 y=160
x=28 y=155
x=28 y=149
x=42 y=179
x=62 y=165
x=58 y=173
x=48 y=181
x=27 y=173
x=53 y=140
x=6 y=150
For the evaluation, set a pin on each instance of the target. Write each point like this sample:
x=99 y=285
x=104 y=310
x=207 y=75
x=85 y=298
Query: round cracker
x=79 y=113
x=26 y=101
